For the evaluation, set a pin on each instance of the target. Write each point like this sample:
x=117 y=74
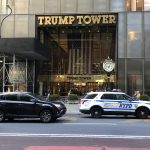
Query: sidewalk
x=72 y=108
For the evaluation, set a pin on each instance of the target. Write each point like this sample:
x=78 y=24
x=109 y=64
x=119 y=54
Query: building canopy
x=30 y=48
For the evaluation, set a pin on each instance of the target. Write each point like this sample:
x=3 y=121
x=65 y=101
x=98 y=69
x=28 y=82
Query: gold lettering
x=96 y=19
x=54 y=20
x=87 y=19
x=71 y=19
x=112 y=19
x=40 y=20
x=105 y=19
x=63 y=20
x=47 y=20
x=79 y=18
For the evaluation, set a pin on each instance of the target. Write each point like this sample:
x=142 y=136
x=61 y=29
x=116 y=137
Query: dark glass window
x=11 y=97
x=134 y=75
x=123 y=97
x=120 y=96
x=127 y=97
x=108 y=96
x=25 y=98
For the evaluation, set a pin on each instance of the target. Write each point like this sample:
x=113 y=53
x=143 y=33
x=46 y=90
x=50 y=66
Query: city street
x=76 y=130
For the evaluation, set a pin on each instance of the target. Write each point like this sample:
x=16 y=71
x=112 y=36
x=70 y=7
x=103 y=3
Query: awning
x=29 y=48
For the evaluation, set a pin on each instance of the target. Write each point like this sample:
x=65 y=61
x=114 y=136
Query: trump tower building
x=81 y=44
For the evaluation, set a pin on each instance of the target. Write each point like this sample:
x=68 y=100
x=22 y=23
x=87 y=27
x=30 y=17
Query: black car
x=26 y=105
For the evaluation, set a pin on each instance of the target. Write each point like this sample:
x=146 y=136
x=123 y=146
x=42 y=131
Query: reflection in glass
x=134 y=36
x=77 y=55
x=117 y=5
x=147 y=33
x=134 y=5
x=147 y=76
x=134 y=75
x=121 y=36
x=80 y=50
x=146 y=5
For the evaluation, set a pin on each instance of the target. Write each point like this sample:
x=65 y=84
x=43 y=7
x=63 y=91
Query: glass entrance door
x=79 y=51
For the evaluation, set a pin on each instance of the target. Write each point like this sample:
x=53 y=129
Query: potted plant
x=54 y=97
x=73 y=98
x=144 y=97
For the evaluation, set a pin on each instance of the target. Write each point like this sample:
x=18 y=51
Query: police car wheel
x=142 y=113
x=96 y=112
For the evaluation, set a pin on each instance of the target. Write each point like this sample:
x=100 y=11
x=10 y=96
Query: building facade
x=62 y=44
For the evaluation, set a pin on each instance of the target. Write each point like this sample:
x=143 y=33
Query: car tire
x=96 y=112
x=2 y=116
x=46 y=116
x=142 y=113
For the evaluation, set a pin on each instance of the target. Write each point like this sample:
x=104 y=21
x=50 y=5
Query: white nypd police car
x=113 y=103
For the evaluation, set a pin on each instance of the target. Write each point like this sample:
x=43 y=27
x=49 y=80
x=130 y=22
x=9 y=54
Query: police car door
x=110 y=104
x=126 y=105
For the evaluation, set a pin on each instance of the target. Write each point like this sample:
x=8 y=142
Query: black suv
x=26 y=105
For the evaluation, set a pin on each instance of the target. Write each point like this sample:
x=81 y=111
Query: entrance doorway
x=77 y=54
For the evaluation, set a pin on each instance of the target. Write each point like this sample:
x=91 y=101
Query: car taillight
x=83 y=101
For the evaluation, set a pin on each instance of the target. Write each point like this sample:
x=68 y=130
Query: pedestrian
x=48 y=94
x=137 y=94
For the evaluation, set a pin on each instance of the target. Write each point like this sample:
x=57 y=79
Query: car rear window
x=90 y=96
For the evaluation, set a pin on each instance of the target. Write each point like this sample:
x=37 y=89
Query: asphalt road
x=76 y=131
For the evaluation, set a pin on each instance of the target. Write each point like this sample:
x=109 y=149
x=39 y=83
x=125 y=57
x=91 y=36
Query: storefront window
x=77 y=55
x=81 y=50
x=134 y=5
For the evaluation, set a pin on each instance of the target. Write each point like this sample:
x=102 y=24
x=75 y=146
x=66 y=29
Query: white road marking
x=90 y=123
x=74 y=135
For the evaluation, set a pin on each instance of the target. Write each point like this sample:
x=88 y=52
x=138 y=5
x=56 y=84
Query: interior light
x=132 y=35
